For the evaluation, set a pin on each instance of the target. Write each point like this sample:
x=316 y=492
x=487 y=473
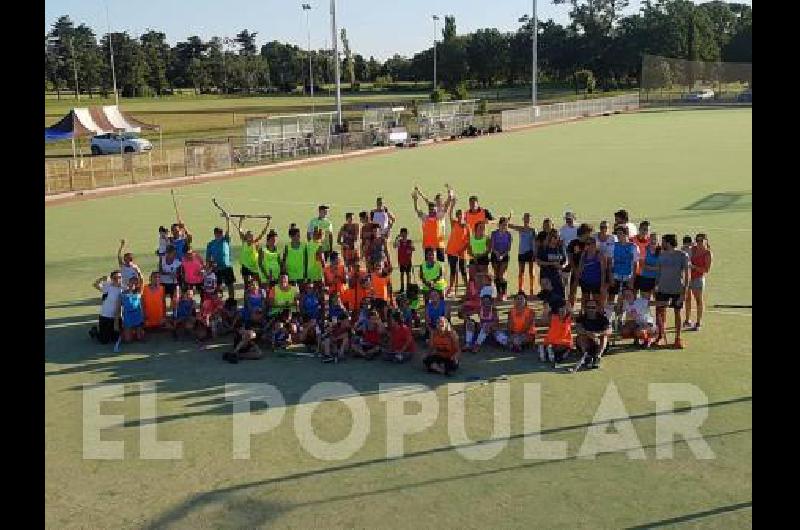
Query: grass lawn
x=685 y=171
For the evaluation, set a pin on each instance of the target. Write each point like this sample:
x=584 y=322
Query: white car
x=699 y=95
x=115 y=143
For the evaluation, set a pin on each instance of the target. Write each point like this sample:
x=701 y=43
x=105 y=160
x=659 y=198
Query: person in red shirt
x=380 y=290
x=334 y=275
x=700 y=259
x=405 y=250
x=401 y=341
x=371 y=341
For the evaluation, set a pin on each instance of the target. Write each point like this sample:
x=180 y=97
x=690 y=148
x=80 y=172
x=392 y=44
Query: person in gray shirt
x=672 y=280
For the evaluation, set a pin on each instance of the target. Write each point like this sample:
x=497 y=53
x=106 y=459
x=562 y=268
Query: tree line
x=598 y=43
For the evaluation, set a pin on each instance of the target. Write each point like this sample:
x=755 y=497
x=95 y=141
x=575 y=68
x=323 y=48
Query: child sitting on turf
x=185 y=313
x=310 y=316
x=558 y=341
x=335 y=340
x=401 y=342
x=247 y=338
x=210 y=310
x=638 y=323
x=487 y=326
x=370 y=343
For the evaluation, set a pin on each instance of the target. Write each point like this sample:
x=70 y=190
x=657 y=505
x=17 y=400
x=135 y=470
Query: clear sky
x=374 y=27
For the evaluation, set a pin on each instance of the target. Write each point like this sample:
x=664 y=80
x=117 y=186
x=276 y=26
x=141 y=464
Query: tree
x=360 y=67
x=487 y=55
x=156 y=53
x=348 y=58
x=373 y=69
x=247 y=42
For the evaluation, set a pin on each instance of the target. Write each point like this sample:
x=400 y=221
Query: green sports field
x=685 y=171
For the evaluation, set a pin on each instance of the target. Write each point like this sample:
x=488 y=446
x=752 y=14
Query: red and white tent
x=91 y=121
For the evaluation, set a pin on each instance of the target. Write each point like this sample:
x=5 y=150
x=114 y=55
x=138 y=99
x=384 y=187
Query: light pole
x=74 y=67
x=534 y=59
x=334 y=35
x=307 y=9
x=111 y=51
x=435 y=18
x=225 y=42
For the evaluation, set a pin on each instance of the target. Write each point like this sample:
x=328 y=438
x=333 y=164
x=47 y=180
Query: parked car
x=705 y=94
x=115 y=143
x=745 y=97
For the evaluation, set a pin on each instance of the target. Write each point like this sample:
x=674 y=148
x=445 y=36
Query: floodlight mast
x=111 y=51
x=307 y=9
x=334 y=33
x=435 y=18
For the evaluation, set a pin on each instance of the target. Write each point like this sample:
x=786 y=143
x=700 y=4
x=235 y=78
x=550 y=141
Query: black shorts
x=378 y=304
x=169 y=288
x=644 y=284
x=405 y=268
x=589 y=288
x=616 y=286
x=480 y=260
x=526 y=257
x=457 y=262
x=673 y=300
x=105 y=330
x=226 y=276
x=497 y=260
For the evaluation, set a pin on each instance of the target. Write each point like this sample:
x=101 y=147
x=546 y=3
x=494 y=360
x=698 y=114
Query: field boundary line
x=59 y=198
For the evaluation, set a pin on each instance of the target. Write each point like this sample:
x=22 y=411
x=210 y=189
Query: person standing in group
x=181 y=238
x=526 y=254
x=431 y=274
x=366 y=233
x=377 y=255
x=642 y=241
x=325 y=225
x=219 y=249
x=335 y=276
x=382 y=217
x=127 y=266
x=686 y=247
x=192 y=271
x=672 y=282
x=700 y=261
x=479 y=247
x=405 y=250
x=623 y=263
x=348 y=240
x=248 y=256
x=457 y=245
x=621 y=217
x=315 y=259
x=569 y=231
x=168 y=267
x=499 y=250
x=645 y=280
x=442 y=207
x=154 y=304
x=591 y=274
x=293 y=262
x=283 y=297
x=476 y=214
x=431 y=227
x=575 y=250
x=132 y=312
x=269 y=262
x=605 y=240
x=551 y=258
x=111 y=289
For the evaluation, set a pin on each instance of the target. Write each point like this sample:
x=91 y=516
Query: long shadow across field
x=223 y=494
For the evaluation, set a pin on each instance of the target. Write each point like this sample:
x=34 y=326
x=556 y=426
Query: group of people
x=332 y=290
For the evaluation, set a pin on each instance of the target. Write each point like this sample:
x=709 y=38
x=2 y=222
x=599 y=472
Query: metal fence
x=62 y=175
x=667 y=81
x=208 y=156
x=563 y=111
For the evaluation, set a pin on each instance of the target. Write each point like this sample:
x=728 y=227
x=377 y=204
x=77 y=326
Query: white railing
x=563 y=111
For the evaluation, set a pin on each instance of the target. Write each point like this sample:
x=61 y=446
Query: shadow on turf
x=728 y=201
x=694 y=516
x=201 y=500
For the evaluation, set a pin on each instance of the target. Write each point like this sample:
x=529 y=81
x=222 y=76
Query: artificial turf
x=669 y=167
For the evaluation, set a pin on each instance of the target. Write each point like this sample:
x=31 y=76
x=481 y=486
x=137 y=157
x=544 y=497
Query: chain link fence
x=667 y=81
x=563 y=111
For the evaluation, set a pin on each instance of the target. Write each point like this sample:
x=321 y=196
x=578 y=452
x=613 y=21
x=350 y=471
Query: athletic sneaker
x=696 y=327
x=687 y=324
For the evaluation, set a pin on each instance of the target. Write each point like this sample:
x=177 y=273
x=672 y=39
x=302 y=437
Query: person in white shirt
x=111 y=287
x=127 y=267
x=638 y=322
x=605 y=240
x=569 y=231
x=382 y=217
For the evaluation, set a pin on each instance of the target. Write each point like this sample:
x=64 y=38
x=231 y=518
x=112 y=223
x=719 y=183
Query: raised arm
x=98 y=283
x=239 y=228
x=120 y=252
x=416 y=196
x=451 y=206
x=264 y=231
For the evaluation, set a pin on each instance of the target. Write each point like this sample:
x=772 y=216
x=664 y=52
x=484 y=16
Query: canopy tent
x=91 y=121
